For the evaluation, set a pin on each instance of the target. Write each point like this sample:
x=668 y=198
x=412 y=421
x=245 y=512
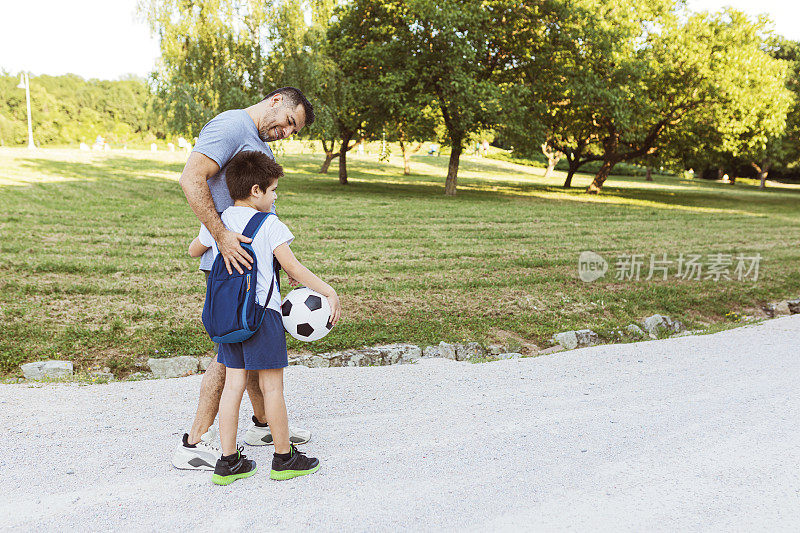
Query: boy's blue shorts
x=264 y=350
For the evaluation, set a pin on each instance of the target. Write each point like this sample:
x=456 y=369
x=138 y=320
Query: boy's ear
x=255 y=190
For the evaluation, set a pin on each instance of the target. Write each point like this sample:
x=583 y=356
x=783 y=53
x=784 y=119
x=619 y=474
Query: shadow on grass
x=381 y=179
x=111 y=168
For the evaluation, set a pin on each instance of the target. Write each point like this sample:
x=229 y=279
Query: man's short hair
x=248 y=168
x=295 y=97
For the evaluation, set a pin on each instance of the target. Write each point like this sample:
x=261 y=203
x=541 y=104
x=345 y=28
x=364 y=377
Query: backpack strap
x=255 y=223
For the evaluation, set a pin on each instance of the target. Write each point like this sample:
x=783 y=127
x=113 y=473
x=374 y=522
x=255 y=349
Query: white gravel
x=698 y=433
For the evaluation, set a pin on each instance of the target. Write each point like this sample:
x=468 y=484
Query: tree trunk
x=601 y=176
x=452 y=167
x=573 y=167
x=551 y=164
x=573 y=159
x=553 y=157
x=346 y=136
x=329 y=156
x=763 y=171
x=406 y=158
x=648 y=174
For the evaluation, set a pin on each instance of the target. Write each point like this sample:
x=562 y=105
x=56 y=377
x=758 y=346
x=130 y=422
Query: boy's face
x=265 y=200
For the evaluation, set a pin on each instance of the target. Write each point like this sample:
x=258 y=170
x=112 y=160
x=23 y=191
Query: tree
x=671 y=79
x=452 y=52
x=212 y=58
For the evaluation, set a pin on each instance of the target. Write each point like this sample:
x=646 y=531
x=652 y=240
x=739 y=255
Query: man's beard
x=264 y=135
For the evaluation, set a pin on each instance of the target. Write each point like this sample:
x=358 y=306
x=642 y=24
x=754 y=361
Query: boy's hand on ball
x=233 y=253
x=336 y=307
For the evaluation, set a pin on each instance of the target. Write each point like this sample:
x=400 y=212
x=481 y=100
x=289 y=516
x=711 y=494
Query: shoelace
x=211 y=444
x=295 y=451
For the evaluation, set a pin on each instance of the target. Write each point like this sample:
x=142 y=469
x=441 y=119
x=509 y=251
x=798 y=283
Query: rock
x=47 y=369
x=431 y=351
x=447 y=351
x=317 y=361
x=634 y=331
x=357 y=359
x=495 y=349
x=778 y=309
x=794 y=306
x=391 y=354
x=578 y=338
x=469 y=351
x=552 y=349
x=102 y=377
x=509 y=355
x=567 y=339
x=655 y=322
x=203 y=362
x=173 y=367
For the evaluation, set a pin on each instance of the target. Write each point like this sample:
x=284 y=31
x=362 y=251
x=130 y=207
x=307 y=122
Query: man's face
x=280 y=120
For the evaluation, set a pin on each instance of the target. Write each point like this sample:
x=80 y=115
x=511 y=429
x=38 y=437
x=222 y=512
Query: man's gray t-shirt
x=223 y=137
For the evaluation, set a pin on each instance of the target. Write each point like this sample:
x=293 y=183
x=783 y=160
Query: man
x=282 y=113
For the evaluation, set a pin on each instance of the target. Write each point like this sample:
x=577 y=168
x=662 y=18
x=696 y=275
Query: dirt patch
x=511 y=341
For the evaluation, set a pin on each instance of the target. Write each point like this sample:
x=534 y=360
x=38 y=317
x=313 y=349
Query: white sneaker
x=260 y=436
x=201 y=456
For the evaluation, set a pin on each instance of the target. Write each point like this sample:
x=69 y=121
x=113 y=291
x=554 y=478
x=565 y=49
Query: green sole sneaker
x=280 y=475
x=227 y=480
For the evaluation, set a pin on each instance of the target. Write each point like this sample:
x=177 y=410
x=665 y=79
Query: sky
x=103 y=38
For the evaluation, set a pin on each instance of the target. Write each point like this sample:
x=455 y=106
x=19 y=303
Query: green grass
x=93 y=263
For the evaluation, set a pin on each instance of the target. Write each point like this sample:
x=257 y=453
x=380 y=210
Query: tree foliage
x=212 y=57
x=68 y=109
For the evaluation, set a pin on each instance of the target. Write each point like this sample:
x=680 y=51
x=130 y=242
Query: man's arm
x=198 y=170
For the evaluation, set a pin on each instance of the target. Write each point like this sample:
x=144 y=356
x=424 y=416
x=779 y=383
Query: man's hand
x=233 y=253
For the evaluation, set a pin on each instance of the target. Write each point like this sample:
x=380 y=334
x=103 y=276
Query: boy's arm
x=297 y=271
x=197 y=248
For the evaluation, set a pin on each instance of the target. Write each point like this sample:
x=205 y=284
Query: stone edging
x=400 y=353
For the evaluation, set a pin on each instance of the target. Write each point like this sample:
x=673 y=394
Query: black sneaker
x=228 y=471
x=297 y=465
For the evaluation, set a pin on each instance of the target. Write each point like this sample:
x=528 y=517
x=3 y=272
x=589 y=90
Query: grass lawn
x=93 y=263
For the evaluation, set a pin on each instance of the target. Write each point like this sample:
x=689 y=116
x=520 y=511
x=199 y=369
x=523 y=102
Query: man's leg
x=208 y=405
x=256 y=397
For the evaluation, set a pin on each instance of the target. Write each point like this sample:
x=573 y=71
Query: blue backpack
x=231 y=313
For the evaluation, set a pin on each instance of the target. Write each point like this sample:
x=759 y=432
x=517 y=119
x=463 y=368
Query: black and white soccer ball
x=306 y=314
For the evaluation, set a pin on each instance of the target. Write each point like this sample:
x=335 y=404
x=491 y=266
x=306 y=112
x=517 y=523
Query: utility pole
x=25 y=83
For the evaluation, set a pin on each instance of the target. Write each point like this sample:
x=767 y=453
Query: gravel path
x=693 y=433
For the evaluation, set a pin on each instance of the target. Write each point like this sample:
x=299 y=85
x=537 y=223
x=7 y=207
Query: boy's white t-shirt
x=272 y=234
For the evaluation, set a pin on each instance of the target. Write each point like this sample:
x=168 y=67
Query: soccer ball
x=306 y=314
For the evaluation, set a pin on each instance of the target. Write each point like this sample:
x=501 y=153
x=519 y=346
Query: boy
x=252 y=179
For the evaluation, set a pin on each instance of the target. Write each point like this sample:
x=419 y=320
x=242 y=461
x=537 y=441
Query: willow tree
x=213 y=57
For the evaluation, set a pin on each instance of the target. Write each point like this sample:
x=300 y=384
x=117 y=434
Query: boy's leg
x=271 y=383
x=210 y=393
x=231 y=400
x=287 y=461
x=232 y=465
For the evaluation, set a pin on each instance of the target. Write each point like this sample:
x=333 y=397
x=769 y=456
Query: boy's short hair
x=248 y=168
